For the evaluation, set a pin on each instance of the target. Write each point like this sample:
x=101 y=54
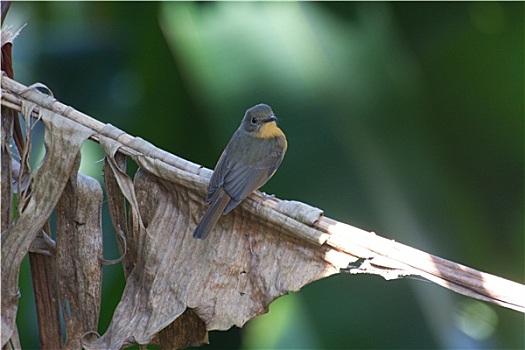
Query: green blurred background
x=406 y=119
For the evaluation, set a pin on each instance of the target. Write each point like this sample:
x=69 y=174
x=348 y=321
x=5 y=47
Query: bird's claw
x=265 y=197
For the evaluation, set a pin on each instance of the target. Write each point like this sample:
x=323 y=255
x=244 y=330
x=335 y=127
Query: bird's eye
x=254 y=121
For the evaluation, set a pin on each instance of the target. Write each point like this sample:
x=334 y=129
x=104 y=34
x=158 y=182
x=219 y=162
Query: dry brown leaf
x=63 y=140
x=225 y=280
x=79 y=256
x=118 y=214
x=119 y=188
x=6 y=128
x=187 y=330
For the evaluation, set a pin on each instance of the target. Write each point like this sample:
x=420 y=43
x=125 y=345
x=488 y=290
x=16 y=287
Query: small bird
x=252 y=156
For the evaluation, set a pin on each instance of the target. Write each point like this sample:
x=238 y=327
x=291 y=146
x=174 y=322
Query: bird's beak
x=271 y=119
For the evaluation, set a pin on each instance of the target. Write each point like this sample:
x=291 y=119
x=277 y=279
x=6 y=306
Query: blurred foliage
x=402 y=118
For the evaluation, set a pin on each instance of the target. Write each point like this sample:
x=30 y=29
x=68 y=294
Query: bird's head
x=261 y=121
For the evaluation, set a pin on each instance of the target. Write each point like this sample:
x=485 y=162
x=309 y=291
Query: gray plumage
x=252 y=156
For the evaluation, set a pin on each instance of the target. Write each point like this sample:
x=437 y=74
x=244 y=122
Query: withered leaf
x=227 y=279
x=63 y=140
x=79 y=256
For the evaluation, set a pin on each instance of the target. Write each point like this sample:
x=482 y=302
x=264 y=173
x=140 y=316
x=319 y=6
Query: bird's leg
x=265 y=197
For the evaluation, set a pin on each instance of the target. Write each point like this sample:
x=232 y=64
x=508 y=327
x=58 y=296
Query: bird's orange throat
x=270 y=130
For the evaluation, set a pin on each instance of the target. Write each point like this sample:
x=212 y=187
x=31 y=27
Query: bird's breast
x=270 y=130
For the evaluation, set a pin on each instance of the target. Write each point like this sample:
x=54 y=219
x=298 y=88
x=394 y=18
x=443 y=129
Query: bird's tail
x=214 y=212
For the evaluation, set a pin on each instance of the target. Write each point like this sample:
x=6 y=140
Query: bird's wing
x=217 y=178
x=241 y=180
